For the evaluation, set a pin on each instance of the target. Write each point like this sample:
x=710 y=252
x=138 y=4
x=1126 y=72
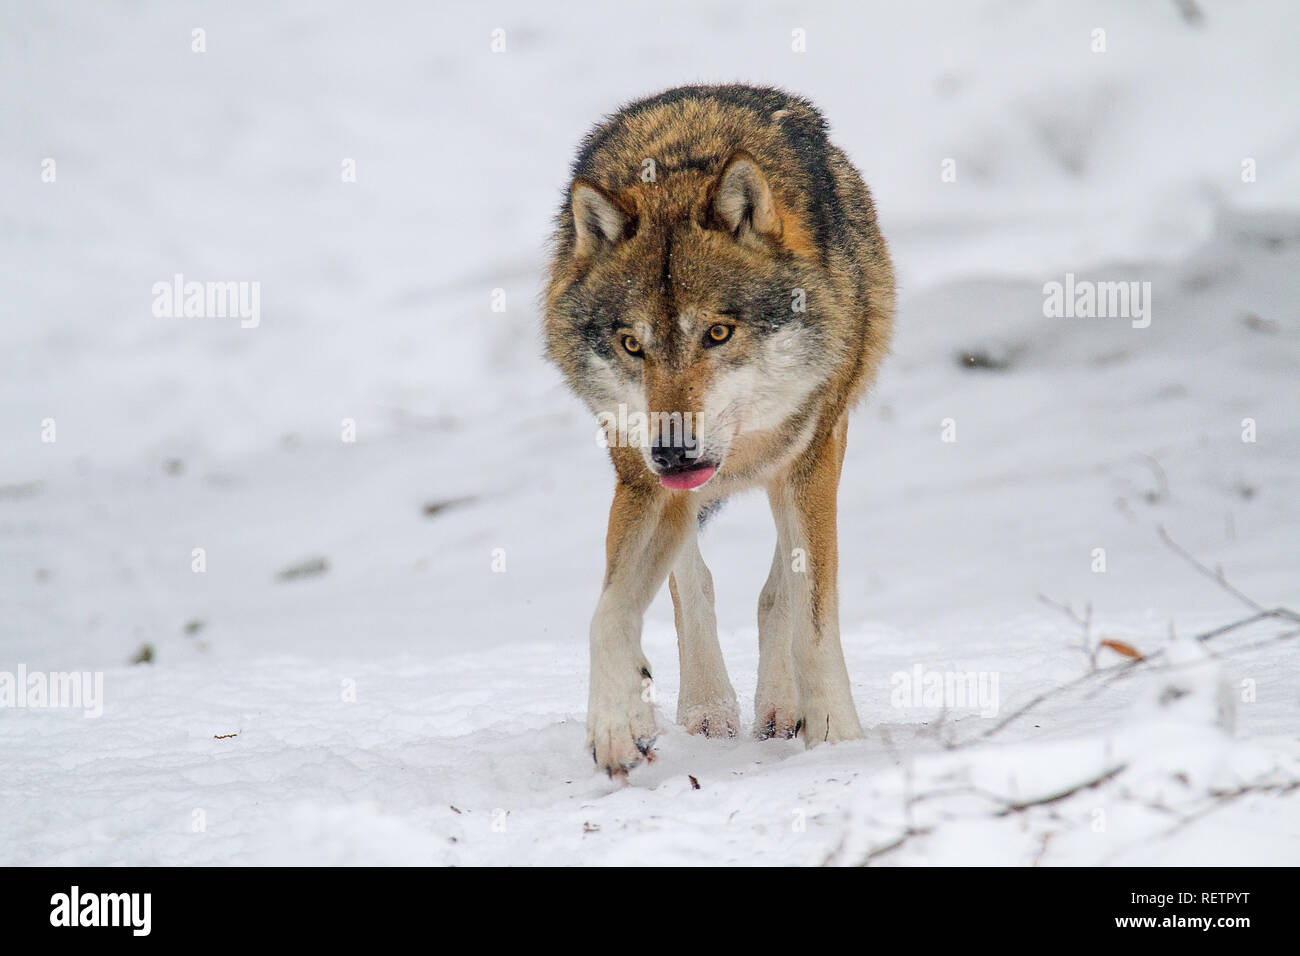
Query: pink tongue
x=687 y=480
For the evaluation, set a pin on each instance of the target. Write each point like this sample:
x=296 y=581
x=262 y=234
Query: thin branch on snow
x=1162 y=482
x=1040 y=698
x=1007 y=808
x=1057 y=797
x=1223 y=798
x=1115 y=674
x=1154 y=662
x=1151 y=662
x=887 y=848
x=1085 y=624
x=1216 y=574
x=1245 y=621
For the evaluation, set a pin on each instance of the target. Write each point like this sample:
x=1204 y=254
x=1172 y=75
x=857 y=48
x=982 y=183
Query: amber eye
x=718 y=334
x=632 y=345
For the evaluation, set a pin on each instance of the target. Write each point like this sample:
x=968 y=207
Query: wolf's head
x=685 y=312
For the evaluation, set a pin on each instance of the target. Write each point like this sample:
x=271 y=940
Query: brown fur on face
x=643 y=258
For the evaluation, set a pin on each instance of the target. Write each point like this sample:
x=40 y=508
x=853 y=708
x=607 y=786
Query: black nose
x=676 y=457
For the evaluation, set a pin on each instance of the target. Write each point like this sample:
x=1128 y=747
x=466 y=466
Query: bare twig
x=1262 y=615
x=1215 y=574
x=887 y=848
x=1223 y=798
x=1057 y=797
x=1156 y=661
x=1084 y=622
x=1149 y=662
x=1007 y=809
x=1115 y=675
x=1162 y=483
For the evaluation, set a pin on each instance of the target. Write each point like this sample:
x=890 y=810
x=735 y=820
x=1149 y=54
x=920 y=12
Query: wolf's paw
x=617 y=749
x=774 y=720
x=776 y=700
x=621 y=735
x=718 y=719
x=821 y=723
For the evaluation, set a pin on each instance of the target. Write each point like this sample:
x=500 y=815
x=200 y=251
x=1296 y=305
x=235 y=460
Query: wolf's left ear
x=742 y=198
x=598 y=219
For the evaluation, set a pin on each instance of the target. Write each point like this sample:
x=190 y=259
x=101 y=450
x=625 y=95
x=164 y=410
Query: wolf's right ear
x=598 y=219
x=741 y=198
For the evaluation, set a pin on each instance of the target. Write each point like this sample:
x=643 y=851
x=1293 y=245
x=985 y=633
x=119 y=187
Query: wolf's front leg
x=706 y=703
x=776 y=698
x=806 y=512
x=645 y=532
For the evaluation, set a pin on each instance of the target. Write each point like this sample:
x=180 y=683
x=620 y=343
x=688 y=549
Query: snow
x=408 y=703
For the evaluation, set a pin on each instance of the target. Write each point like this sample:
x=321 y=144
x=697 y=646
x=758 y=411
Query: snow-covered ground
x=416 y=692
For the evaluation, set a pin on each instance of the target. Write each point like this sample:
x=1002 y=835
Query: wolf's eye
x=718 y=333
x=632 y=346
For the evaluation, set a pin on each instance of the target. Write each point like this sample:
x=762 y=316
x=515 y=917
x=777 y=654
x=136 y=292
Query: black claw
x=645 y=672
x=798 y=726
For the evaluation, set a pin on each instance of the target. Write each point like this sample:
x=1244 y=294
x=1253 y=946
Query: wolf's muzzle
x=674 y=457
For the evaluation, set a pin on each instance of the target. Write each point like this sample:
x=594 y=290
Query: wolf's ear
x=598 y=219
x=742 y=199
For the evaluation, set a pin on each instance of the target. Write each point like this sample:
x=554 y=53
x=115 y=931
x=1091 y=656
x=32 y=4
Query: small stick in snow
x=1057 y=797
x=1220 y=578
x=893 y=845
x=1110 y=674
x=1084 y=622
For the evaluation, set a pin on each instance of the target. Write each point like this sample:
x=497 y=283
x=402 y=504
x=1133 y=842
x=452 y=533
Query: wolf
x=716 y=262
